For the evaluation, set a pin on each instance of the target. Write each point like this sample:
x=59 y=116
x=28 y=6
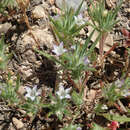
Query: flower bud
x=10 y=82
x=1 y=59
x=105 y=12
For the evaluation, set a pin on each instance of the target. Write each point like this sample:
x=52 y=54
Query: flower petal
x=67 y=96
x=39 y=92
x=28 y=89
x=32 y=98
x=68 y=90
x=34 y=88
x=61 y=88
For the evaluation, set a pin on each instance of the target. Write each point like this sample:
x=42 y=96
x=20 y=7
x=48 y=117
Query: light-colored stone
x=42 y=35
x=21 y=90
x=22 y=111
x=39 y=12
x=25 y=71
x=19 y=124
x=5 y=27
x=91 y=95
x=71 y=3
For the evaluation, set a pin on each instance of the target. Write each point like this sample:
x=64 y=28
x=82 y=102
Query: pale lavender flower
x=63 y=93
x=79 y=128
x=56 y=17
x=86 y=60
x=59 y=50
x=32 y=93
x=119 y=83
x=79 y=20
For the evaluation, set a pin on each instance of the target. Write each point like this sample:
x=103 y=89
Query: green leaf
x=97 y=127
x=116 y=118
x=77 y=98
x=78 y=10
x=49 y=57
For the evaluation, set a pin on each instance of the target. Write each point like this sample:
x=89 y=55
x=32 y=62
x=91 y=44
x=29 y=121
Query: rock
x=22 y=111
x=42 y=35
x=27 y=56
x=71 y=3
x=19 y=124
x=30 y=56
x=91 y=95
x=5 y=27
x=25 y=71
x=21 y=90
x=39 y=12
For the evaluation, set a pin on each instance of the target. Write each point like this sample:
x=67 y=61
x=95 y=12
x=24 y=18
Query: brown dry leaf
x=23 y=4
x=111 y=3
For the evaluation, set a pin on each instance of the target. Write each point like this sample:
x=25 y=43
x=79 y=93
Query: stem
x=109 y=51
x=101 y=44
x=86 y=78
x=73 y=83
x=118 y=107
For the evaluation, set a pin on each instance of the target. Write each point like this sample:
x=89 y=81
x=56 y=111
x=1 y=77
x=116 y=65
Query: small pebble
x=19 y=124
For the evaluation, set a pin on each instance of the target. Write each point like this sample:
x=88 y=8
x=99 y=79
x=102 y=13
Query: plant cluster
x=6 y=3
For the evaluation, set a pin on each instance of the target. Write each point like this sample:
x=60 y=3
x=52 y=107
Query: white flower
x=79 y=20
x=63 y=93
x=126 y=93
x=32 y=93
x=59 y=50
x=73 y=47
x=104 y=107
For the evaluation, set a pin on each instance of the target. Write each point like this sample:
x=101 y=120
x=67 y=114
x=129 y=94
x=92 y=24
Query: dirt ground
x=35 y=69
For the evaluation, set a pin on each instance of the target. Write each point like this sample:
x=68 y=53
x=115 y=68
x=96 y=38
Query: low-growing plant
x=72 y=127
x=75 y=60
x=59 y=103
x=4 y=57
x=103 y=20
x=117 y=90
x=8 y=91
x=112 y=94
x=6 y=3
x=68 y=25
